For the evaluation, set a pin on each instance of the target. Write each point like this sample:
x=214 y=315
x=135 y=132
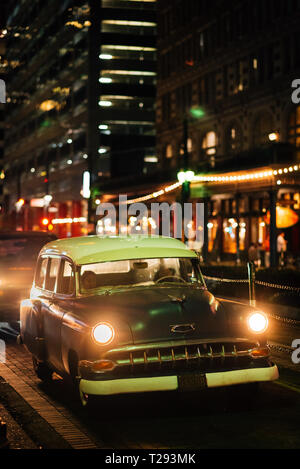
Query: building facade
x=225 y=72
x=80 y=98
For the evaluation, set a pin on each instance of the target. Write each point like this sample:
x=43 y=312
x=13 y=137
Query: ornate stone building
x=226 y=71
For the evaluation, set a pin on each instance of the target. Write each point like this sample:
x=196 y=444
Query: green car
x=133 y=314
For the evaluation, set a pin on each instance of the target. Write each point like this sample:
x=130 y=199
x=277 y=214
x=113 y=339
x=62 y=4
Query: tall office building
x=81 y=95
x=127 y=86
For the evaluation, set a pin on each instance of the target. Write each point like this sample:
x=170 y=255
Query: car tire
x=88 y=402
x=80 y=397
x=42 y=370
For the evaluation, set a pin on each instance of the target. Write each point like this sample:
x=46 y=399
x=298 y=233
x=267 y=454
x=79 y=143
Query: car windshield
x=138 y=272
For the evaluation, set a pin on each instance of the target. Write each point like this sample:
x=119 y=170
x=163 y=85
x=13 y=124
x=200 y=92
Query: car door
x=60 y=305
x=52 y=313
x=31 y=325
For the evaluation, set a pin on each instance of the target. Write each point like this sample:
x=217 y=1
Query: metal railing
x=252 y=281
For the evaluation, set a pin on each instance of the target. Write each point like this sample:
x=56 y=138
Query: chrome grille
x=181 y=354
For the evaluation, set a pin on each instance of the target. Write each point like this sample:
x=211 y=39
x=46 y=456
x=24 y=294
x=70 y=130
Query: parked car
x=133 y=314
x=19 y=251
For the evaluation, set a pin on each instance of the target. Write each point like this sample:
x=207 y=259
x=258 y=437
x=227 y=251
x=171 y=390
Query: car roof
x=93 y=249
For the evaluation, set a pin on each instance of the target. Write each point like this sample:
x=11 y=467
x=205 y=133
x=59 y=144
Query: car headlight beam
x=258 y=322
x=103 y=333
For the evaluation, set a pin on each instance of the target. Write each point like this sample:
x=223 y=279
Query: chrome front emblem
x=183 y=328
x=176 y=299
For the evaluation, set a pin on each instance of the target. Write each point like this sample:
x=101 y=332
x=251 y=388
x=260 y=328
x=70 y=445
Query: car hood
x=159 y=313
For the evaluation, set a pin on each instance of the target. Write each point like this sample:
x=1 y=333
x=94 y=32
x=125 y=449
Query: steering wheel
x=172 y=277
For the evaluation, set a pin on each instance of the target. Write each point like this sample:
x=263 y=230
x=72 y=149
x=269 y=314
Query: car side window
x=41 y=272
x=52 y=273
x=66 y=284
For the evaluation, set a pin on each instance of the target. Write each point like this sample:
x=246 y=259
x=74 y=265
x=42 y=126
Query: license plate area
x=192 y=382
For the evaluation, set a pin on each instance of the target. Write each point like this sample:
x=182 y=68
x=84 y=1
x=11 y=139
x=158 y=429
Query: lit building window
x=209 y=144
x=129 y=48
x=233 y=139
x=169 y=151
x=105 y=56
x=230 y=226
x=130 y=23
x=105 y=80
x=294 y=127
x=213 y=235
x=128 y=72
x=105 y=103
x=189 y=146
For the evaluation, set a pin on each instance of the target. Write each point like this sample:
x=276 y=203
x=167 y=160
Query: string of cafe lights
x=221 y=178
x=247 y=176
x=154 y=195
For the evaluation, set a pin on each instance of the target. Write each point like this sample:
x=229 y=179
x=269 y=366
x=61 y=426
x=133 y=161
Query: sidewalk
x=17 y=438
x=20 y=429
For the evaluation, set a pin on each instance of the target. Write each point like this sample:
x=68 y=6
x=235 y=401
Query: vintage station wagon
x=133 y=314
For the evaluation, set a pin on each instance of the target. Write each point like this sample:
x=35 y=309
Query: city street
x=53 y=417
x=149 y=226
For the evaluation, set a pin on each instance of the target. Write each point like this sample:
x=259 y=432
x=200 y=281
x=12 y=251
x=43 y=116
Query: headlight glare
x=103 y=333
x=258 y=323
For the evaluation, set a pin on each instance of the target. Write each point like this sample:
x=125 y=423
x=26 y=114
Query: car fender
x=74 y=333
x=237 y=315
x=31 y=328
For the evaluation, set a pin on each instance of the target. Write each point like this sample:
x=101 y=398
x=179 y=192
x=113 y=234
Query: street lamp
x=273 y=136
x=185 y=178
x=186 y=175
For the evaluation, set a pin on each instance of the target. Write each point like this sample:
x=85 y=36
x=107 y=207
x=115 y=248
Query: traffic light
x=45 y=223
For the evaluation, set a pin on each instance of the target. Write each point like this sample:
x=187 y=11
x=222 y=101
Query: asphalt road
x=51 y=416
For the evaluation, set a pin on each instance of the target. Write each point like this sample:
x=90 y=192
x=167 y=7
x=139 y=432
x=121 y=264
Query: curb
x=35 y=426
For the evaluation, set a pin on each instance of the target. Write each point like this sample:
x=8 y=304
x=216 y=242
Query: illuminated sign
x=86 y=192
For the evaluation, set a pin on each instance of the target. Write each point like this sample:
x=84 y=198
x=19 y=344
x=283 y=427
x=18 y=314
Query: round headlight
x=258 y=322
x=103 y=333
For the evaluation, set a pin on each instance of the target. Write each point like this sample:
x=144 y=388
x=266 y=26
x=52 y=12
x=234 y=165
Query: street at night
x=149 y=227
x=51 y=416
x=159 y=421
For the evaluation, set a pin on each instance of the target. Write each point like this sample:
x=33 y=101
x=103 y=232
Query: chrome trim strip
x=178 y=343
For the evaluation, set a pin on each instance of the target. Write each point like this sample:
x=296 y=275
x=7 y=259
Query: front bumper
x=173 y=382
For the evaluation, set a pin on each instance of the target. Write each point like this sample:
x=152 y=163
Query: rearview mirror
x=140 y=265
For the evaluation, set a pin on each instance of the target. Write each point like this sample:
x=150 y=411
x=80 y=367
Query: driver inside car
x=89 y=280
x=164 y=271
